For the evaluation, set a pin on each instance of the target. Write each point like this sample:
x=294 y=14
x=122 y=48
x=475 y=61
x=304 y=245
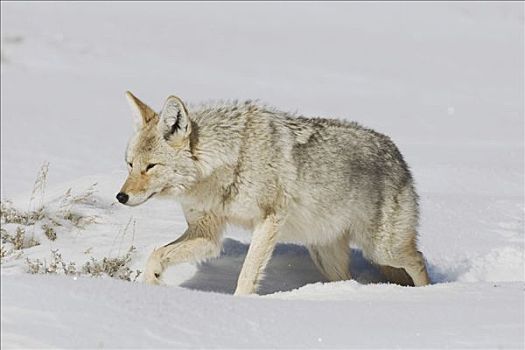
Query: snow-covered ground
x=444 y=80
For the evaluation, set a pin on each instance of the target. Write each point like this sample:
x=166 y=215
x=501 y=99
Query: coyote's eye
x=150 y=166
x=130 y=165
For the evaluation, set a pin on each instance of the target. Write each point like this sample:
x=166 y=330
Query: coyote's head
x=159 y=156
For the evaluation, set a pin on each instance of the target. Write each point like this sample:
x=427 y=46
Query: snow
x=444 y=80
x=97 y=313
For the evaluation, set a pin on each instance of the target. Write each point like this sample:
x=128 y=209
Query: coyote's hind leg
x=396 y=275
x=409 y=259
x=332 y=259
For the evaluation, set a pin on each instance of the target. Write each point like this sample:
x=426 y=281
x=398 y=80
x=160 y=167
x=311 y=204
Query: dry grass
x=49 y=220
x=111 y=267
x=11 y=215
x=49 y=232
x=3 y=251
x=39 y=187
x=19 y=239
x=56 y=266
x=38 y=218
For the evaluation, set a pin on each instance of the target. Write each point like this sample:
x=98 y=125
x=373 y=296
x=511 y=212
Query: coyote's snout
x=323 y=183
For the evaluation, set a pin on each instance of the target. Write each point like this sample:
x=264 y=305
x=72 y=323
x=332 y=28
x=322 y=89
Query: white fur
x=322 y=183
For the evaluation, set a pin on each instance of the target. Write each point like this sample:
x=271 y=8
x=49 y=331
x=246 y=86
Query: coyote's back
x=319 y=182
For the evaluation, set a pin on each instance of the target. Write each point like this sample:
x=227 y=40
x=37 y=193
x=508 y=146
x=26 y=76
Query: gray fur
x=317 y=182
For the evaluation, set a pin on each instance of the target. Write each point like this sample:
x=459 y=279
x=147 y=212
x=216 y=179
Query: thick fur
x=323 y=183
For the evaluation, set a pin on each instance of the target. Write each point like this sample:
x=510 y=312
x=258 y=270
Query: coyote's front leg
x=200 y=241
x=259 y=253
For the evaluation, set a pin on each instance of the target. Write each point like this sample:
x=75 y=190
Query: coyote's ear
x=174 y=122
x=142 y=113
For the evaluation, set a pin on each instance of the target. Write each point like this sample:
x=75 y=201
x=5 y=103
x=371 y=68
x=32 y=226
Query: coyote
x=322 y=183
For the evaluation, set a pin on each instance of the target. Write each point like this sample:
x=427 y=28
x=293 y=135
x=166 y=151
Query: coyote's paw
x=153 y=269
x=154 y=280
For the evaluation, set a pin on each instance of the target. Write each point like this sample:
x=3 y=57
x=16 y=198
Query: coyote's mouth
x=137 y=204
x=151 y=195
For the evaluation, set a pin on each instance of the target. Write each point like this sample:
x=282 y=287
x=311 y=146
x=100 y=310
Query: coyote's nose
x=122 y=197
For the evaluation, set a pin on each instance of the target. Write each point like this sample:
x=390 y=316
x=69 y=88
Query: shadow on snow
x=290 y=267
